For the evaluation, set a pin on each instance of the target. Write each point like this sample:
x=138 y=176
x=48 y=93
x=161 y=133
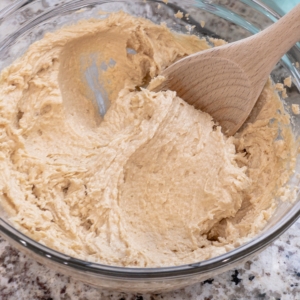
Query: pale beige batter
x=154 y=183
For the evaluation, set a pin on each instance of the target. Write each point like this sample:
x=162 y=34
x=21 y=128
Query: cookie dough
x=152 y=183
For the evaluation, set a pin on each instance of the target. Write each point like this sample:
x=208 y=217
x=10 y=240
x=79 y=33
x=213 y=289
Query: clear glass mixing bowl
x=24 y=22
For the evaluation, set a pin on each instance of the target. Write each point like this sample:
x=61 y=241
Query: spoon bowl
x=225 y=91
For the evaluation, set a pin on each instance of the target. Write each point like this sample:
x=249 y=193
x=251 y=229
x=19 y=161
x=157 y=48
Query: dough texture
x=152 y=183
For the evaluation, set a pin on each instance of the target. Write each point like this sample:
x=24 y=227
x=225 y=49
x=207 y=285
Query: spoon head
x=214 y=85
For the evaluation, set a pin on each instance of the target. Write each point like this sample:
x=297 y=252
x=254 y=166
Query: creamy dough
x=153 y=183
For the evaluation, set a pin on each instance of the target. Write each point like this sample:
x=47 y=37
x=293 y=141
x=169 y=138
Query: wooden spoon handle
x=280 y=37
x=268 y=46
x=283 y=34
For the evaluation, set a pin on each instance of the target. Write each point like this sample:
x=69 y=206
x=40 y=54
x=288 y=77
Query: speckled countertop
x=272 y=275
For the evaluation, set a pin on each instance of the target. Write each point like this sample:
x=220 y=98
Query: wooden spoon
x=226 y=81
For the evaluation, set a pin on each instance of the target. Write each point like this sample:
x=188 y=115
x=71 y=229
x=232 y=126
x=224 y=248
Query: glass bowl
x=24 y=22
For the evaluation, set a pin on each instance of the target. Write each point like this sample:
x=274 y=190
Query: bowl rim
x=215 y=263
x=143 y=273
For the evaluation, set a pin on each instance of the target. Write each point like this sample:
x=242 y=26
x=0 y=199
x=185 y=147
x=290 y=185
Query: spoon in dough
x=226 y=81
